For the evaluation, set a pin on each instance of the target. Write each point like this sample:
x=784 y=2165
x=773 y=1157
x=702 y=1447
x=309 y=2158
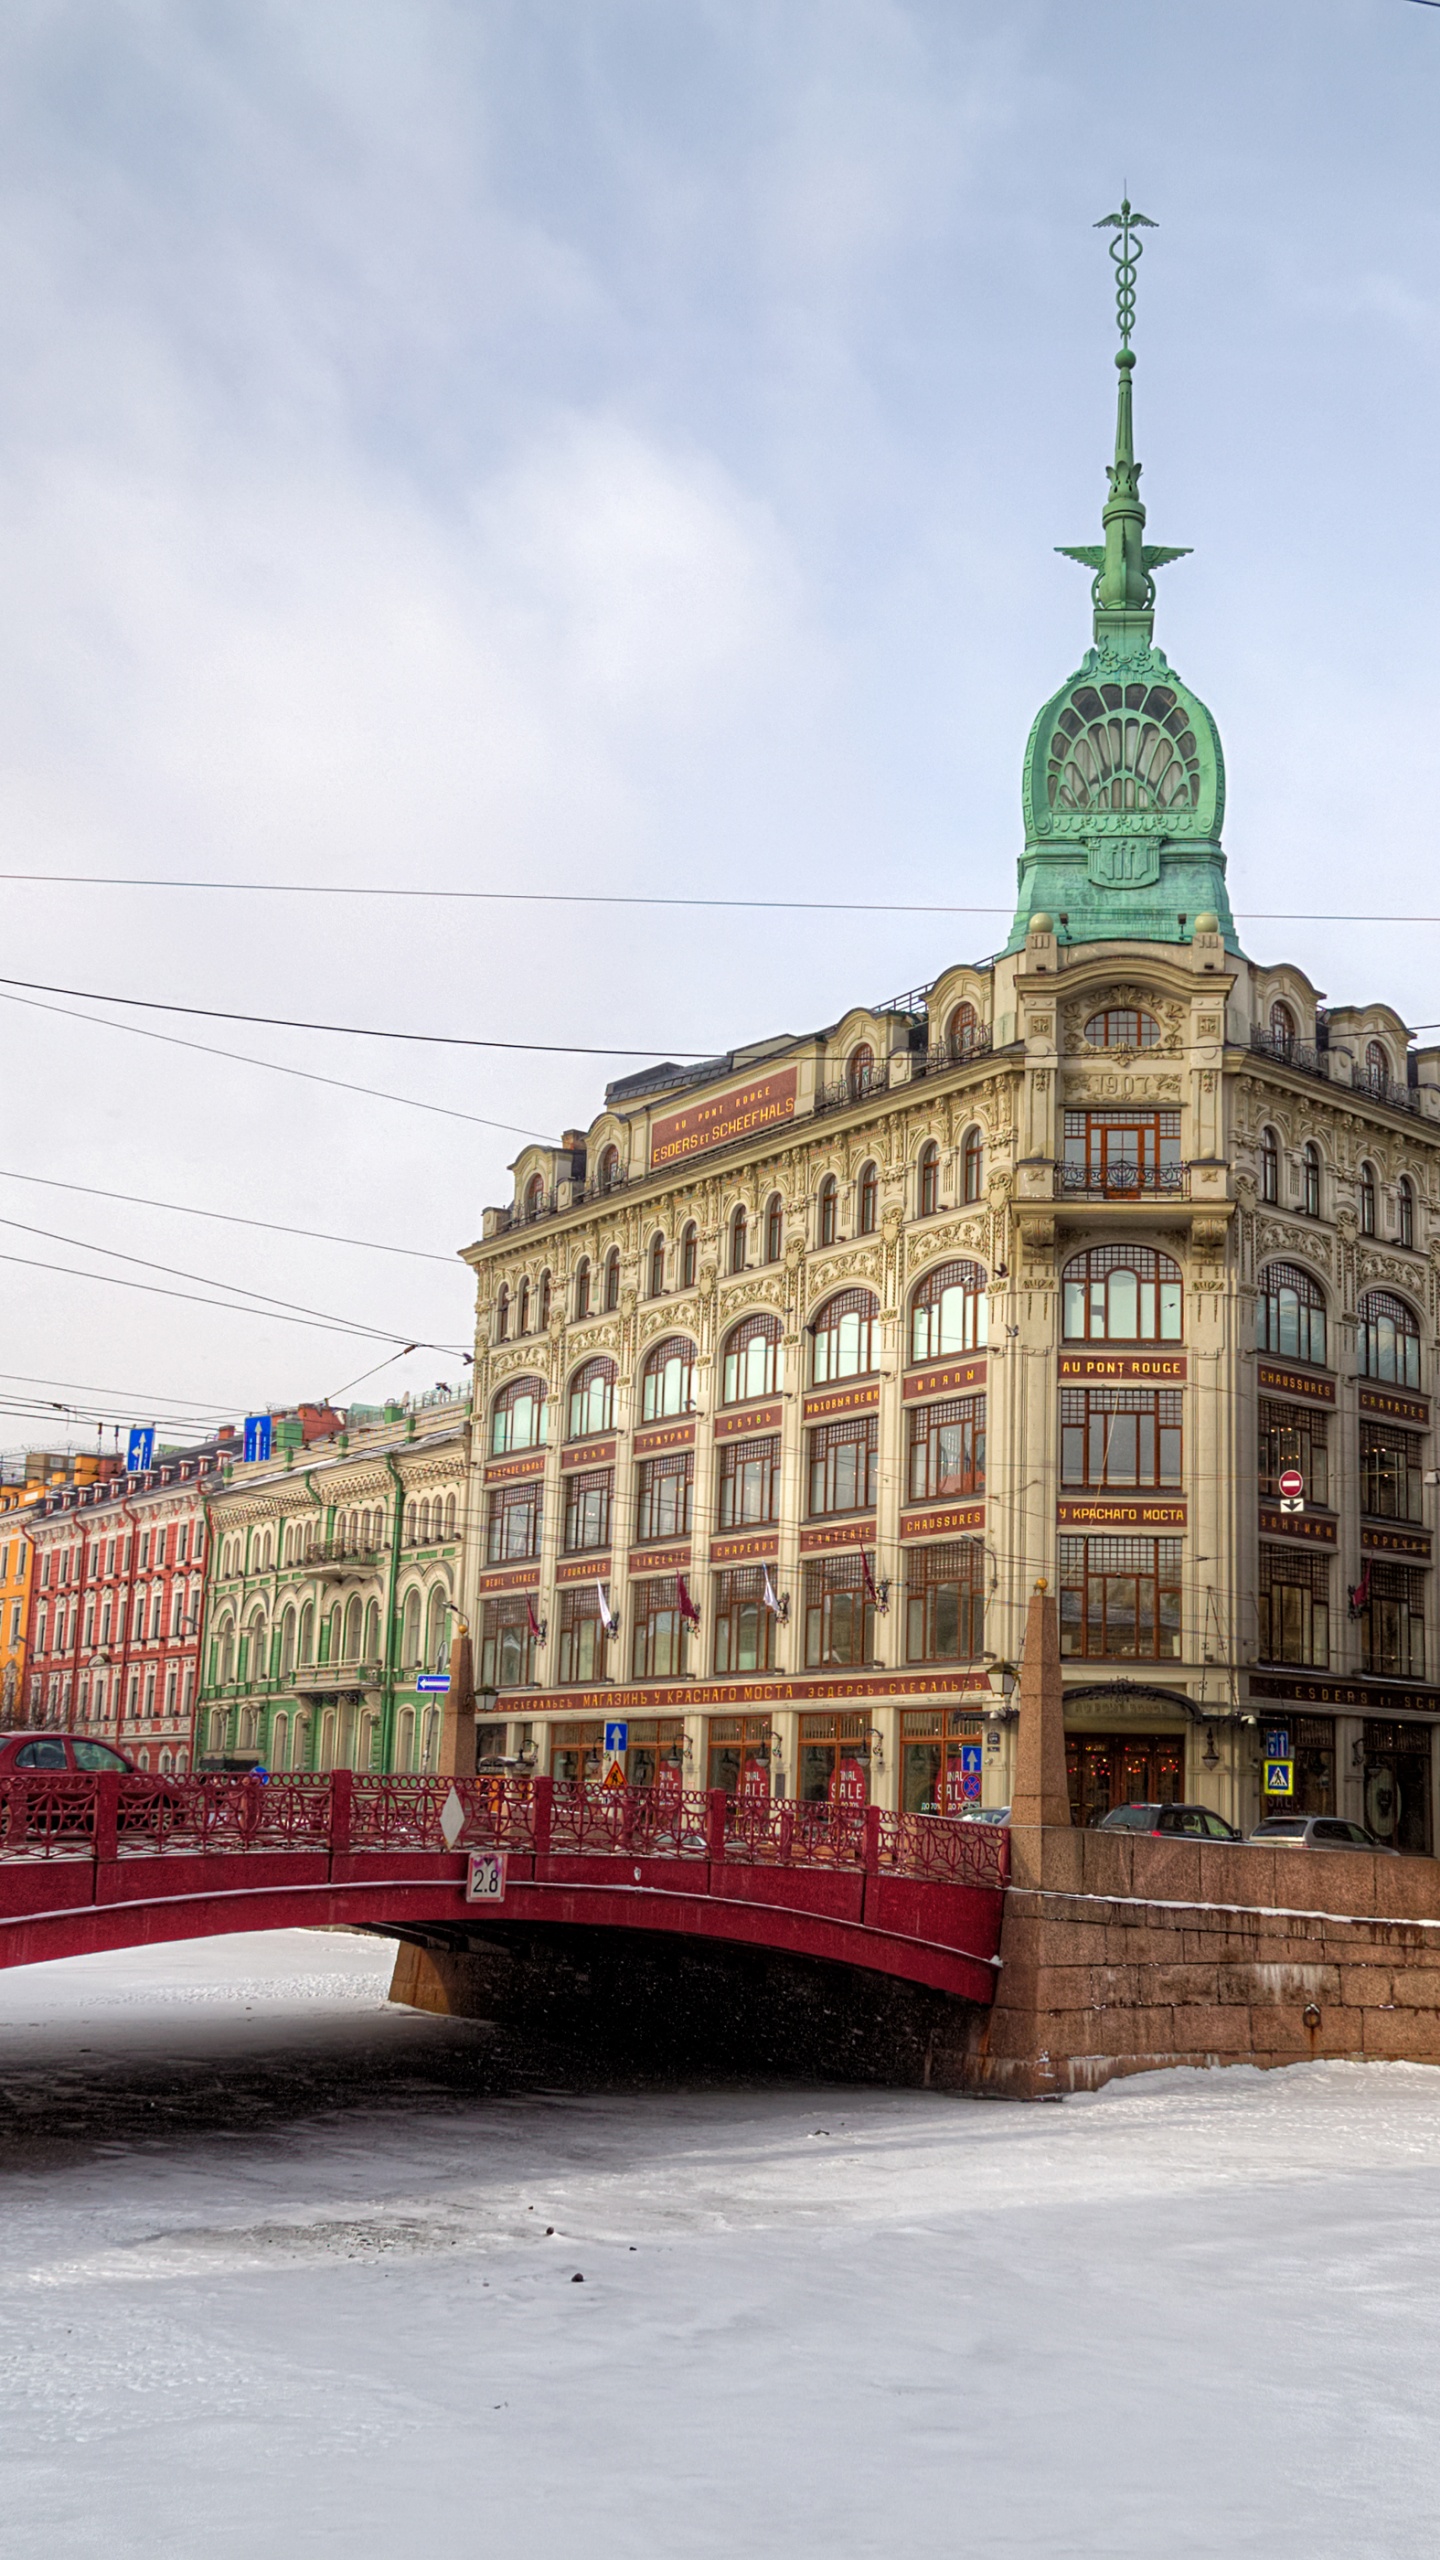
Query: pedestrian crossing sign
x=1279 y=1777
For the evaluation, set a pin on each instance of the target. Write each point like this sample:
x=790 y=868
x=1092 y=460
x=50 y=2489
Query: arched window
x=860 y=1071
x=774 y=1227
x=739 y=1235
x=1269 y=1165
x=963 y=1032
x=1122 y=1293
x=928 y=1180
x=1367 y=1198
x=592 y=1400
x=517 y=1417
x=353 y=1618
x=225 y=1654
x=1310 y=1168
x=689 y=1249
x=502 y=1313
x=667 y=1380
x=544 y=1316
x=371 y=1651
x=949 y=1312
x=1377 y=1064
x=1123 y=1026
x=656 y=1281
x=609 y=1168
x=1389 y=1339
x=582 y=1286
x=1405 y=1205
x=868 y=1200
x=972 y=1166
x=523 y=1320
x=436 y=1620
x=1282 y=1026
x=1124 y=749
x=752 y=1353
x=307 y=1633
x=1290 y=1314
x=534 y=1196
x=410 y=1630
x=844 y=1337
x=829 y=1209
x=612 y=1279
x=451 y=1515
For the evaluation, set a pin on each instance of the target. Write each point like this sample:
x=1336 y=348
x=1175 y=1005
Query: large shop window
x=844 y=1337
x=843 y=1465
x=1120 y=1597
x=947 y=1449
x=1391 y=1472
x=749 y=1482
x=1392 y=1620
x=1124 y=1438
x=1291 y=1437
x=1293 y=1603
x=665 y=1490
x=658 y=1632
x=945 y=1602
x=839 y=1614
x=1122 y=1152
x=752 y=1351
x=667 y=1380
x=739 y=1755
x=744 y=1626
x=1388 y=1339
x=582 y=1637
x=587 y=1510
x=835 y=1760
x=592 y=1400
x=513 y=1528
x=940 y=1752
x=518 y=1416
x=507 y=1643
x=1122 y=1293
x=1290 y=1314
x=949 y=1312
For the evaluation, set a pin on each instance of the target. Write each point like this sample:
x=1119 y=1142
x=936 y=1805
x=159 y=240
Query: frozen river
x=288 y=2273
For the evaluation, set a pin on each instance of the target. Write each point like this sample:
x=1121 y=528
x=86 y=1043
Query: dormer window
x=1123 y=1026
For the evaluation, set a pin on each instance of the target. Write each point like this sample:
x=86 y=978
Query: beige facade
x=334 y=1573
x=1100 y=1151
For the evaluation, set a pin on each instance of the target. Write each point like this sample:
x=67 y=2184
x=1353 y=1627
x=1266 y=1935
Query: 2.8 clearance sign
x=736 y=1114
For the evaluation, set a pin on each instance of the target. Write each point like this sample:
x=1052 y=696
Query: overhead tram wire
x=226 y=1217
x=342 y=1030
x=129 y=1395
x=228 y=1307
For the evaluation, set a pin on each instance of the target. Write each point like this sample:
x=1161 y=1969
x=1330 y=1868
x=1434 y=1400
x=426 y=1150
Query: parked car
x=1318 y=1831
x=67 y=1751
x=1163 y=1821
x=56 y=1815
x=986 y=1813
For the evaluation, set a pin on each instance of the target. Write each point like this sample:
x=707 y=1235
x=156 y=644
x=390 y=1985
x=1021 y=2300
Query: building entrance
x=1397 y=1785
x=1109 y=1769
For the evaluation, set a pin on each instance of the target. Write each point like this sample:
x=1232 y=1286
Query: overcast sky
x=622 y=447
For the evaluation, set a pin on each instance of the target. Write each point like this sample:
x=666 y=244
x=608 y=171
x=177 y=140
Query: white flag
x=768 y=1594
x=606 y=1620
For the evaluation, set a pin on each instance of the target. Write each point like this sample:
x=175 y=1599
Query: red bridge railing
x=59 y=1815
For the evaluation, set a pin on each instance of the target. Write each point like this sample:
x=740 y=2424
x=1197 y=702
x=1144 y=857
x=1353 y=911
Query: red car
x=67 y=1751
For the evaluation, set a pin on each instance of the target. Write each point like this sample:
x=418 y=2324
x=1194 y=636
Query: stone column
x=1042 y=1794
x=457 y=1724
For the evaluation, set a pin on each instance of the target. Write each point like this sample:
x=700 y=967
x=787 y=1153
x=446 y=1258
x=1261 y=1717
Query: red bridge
x=95 y=1862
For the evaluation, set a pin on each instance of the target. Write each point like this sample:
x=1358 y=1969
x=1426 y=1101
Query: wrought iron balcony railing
x=852 y=1089
x=343 y=1555
x=956 y=1051
x=1119 y=1180
x=323 y=1679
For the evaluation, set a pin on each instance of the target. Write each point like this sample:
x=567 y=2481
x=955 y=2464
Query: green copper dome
x=1124 y=784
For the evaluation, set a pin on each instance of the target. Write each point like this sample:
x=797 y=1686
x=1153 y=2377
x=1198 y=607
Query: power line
x=227 y=1217
x=222 y=1306
x=132 y=1395
x=306 y=1075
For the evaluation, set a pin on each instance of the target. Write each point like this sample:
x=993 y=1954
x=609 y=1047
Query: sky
x=621 y=448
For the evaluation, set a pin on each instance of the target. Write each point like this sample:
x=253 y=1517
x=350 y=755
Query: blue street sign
x=257 y=1436
x=437 y=1682
x=140 y=1448
x=1277 y=1743
x=616 y=1738
x=970 y=1756
x=1279 y=1777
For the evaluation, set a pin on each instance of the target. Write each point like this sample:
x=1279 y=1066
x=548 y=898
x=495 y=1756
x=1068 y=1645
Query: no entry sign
x=1292 y=1484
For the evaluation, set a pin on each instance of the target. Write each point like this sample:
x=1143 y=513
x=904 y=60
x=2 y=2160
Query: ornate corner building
x=796 y=1370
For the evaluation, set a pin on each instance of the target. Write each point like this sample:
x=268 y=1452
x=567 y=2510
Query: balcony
x=332 y=1679
x=1123 y=1181
x=849 y=1091
x=954 y=1053
x=335 y=1557
x=1301 y=1056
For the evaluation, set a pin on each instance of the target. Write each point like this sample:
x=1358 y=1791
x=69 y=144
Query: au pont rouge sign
x=1156 y=1368
x=713 y=1123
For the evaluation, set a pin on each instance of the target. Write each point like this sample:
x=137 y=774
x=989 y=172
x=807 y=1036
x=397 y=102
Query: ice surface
x=1196 y=2314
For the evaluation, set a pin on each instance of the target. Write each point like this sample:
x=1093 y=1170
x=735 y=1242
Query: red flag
x=869 y=1578
x=1359 y=1594
x=688 y=1610
x=530 y=1613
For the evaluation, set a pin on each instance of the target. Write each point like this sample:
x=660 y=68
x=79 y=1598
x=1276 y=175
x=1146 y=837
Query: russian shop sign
x=736 y=1114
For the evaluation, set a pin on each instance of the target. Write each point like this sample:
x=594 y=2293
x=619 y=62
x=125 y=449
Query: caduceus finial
x=1125 y=249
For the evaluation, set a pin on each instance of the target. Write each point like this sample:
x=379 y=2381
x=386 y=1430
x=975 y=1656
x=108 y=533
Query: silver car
x=1317 y=1831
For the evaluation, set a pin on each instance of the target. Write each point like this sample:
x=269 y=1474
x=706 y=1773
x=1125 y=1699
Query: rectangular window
x=172 y=1683
x=1120 y=1597
x=105 y=1619
x=587 y=1511
x=947 y=1449
x=739 y=1755
x=744 y=1626
x=582 y=1636
x=749 y=1482
x=842 y=1466
x=657 y=1631
x=1391 y=1471
x=1117 y=1151
x=1291 y=1437
x=507 y=1643
x=144 y=1549
x=514 y=1522
x=839 y=1615
x=1122 y=1438
x=182 y=1543
x=940 y=1753
x=945 y=1602
x=1393 y=1622
x=664 y=1491
x=1294 y=1608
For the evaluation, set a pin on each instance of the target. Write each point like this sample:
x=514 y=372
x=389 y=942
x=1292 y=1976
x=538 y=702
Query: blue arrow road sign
x=616 y=1738
x=257 y=1436
x=1277 y=1743
x=140 y=1448
x=970 y=1756
x=435 y=1681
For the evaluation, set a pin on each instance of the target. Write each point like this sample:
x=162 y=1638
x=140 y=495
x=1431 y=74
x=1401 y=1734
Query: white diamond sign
x=452 y=1818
